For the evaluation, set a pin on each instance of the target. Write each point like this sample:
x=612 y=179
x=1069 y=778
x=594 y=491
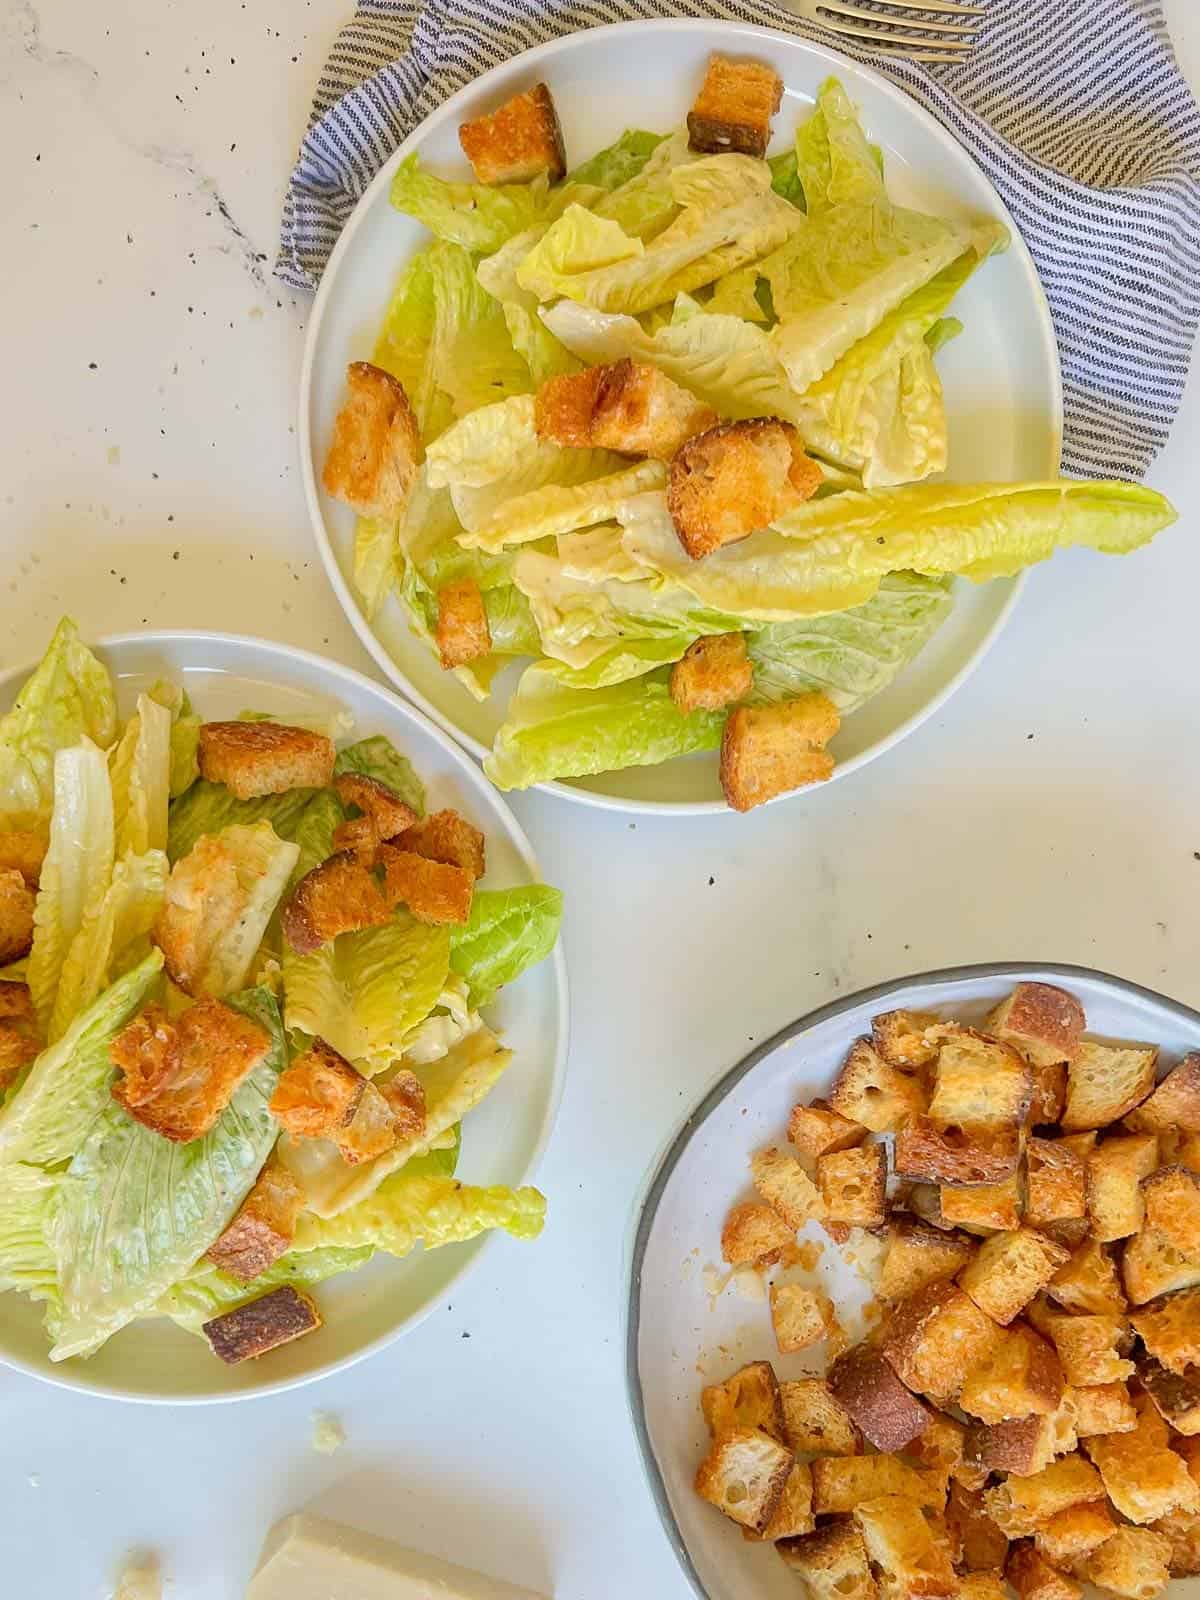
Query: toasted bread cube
x=462 y=632
x=1089 y=1282
x=793 y=1515
x=983 y=1208
x=983 y=1545
x=264 y=1226
x=176 y=1078
x=1172 y=1201
x=23 y=852
x=1105 y=1082
x=750 y=1398
x=1175 y=1396
x=1023 y=1377
x=735 y=478
x=770 y=750
x=1090 y=1347
x=869 y=1091
x=264 y=1324
x=901 y=1038
x=1033 y=1578
x=1025 y=1446
x=935 y=1338
x=339 y=896
x=376 y=448
x=433 y=891
x=865 y=1385
x=1175 y=1104
x=744 y=1475
x=1144 y=1478
x=449 y=838
x=1134 y=1562
x=16 y=916
x=814 y=1421
x=1043 y=1022
x=371 y=1131
x=383 y=815
x=1102 y=1408
x=924 y=1201
x=1170 y=1329
x=405 y=1095
x=628 y=406
x=941 y=1446
x=797 y=1317
x=754 y=1235
x=1178 y=1148
x=815 y=1130
x=1009 y=1270
x=978 y=1082
x=519 y=141
x=785 y=1186
x=16 y=1006
x=832 y=1562
x=841 y=1482
x=917 y=1256
x=901 y=1543
x=734 y=108
x=1181 y=1530
x=1151 y=1265
x=1021 y=1504
x=953 y=1156
x=1049 y=1095
x=853 y=1185
x=1056 y=1182
x=1072 y=1534
x=19 y=1048
x=259 y=758
x=1115 y=1170
x=989 y=1585
x=318 y=1096
x=713 y=673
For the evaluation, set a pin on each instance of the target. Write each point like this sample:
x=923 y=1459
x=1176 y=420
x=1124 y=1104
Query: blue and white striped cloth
x=1077 y=112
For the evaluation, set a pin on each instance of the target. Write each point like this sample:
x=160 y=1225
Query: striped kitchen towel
x=1078 y=114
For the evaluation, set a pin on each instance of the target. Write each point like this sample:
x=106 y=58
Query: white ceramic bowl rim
x=331 y=672
x=447 y=110
x=878 y=994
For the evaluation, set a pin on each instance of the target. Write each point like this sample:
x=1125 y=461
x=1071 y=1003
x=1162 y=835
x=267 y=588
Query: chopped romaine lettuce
x=209 y=807
x=26 y=1258
x=206 y=1292
x=406 y=1211
x=478 y=216
x=140 y=765
x=114 y=939
x=508 y=931
x=618 y=162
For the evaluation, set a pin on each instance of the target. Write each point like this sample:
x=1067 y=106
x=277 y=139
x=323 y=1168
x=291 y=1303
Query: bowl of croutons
x=915 y=1299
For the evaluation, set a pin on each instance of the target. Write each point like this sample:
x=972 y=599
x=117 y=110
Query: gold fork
x=938 y=40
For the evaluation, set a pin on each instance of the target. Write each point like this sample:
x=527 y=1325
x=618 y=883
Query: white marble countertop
x=149 y=480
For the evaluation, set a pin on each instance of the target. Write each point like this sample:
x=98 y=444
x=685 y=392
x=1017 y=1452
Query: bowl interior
x=681 y=1335
x=1001 y=376
x=502 y=1138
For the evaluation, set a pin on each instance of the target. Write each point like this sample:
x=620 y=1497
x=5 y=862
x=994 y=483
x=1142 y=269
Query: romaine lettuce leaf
x=140 y=767
x=49 y=1116
x=450 y=1020
x=185 y=735
x=508 y=930
x=112 y=940
x=646 y=202
x=618 y=162
x=557 y=732
x=263 y=865
x=493 y=524
x=378 y=758
x=835 y=164
x=26 y=1259
x=498 y=448
x=406 y=340
x=405 y=1211
x=135 y=1212
x=68 y=698
x=478 y=216
x=376 y=546
x=209 y=807
x=206 y=1292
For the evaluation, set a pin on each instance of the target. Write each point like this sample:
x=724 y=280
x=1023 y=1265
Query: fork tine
x=901 y=43
x=854 y=13
x=950 y=7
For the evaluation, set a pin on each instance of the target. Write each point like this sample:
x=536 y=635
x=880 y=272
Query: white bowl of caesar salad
x=284 y=1017
x=679 y=412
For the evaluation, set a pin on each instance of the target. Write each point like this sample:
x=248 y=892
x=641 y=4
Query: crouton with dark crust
x=1151 y=1265
x=1105 y=1082
x=953 y=1156
x=23 y=852
x=935 y=1338
x=770 y=750
x=176 y=1078
x=519 y=141
x=376 y=449
x=1033 y=1578
x=1043 y=1022
x=871 y=1394
x=445 y=836
x=869 y=1091
x=20 y=1039
x=433 y=891
x=258 y=758
x=734 y=108
x=1175 y=1103
x=339 y=896
x=744 y=1475
x=750 y=1398
x=754 y=1235
x=261 y=1325
x=263 y=1228
x=628 y=406
x=814 y=1421
x=1025 y=1446
x=16 y=916
x=381 y=810
x=832 y=1562
x=1170 y=1329
x=713 y=673
x=1176 y=1396
x=736 y=478
x=318 y=1095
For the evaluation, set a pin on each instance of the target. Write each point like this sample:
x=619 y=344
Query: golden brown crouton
x=754 y=1235
x=258 y=758
x=462 y=631
x=16 y=1004
x=983 y=1208
x=1175 y=1396
x=1105 y=1082
x=405 y=1094
x=734 y=108
x=1102 y=1408
x=1009 y=1270
x=1044 y=1022
x=935 y=1338
x=517 y=142
x=1072 y=1534
x=24 y=852
x=841 y=1482
x=785 y=1186
x=264 y=1226
x=318 y=1095
x=918 y=1256
x=744 y=1475
x=1089 y=1283
x=901 y=1037
x=955 y=1155
x=793 y=1514
x=19 y=1046
x=902 y=1544
x=1025 y=1446
x=769 y=750
x=982 y=1585
x=832 y=1562
x=982 y=1544
x=713 y=673
x=629 y=406
x=814 y=1421
x=1091 y=1348
x=176 y=1078
x=1115 y=1170
x=1022 y=1503
x=433 y=891
x=372 y=1129
x=1174 y=1104
x=870 y=1092
x=1181 y=1530
x=1033 y=1578
x=382 y=816
x=748 y=1399
x=1144 y=1478
x=736 y=478
x=941 y=1447
x=815 y=1130
x=339 y=896
x=1151 y=1265
x=1170 y=1329
x=16 y=916
x=867 y=1388
x=1056 y=1186
x=797 y=1315
x=1023 y=1377
x=376 y=449
x=264 y=1324
x=853 y=1185
x=978 y=1083
x=445 y=836
x=1134 y=1562
x=1172 y=1201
